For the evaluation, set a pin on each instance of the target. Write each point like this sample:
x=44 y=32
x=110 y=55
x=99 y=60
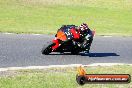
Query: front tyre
x=47 y=50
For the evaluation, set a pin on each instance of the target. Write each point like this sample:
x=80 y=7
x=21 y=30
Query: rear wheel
x=74 y=52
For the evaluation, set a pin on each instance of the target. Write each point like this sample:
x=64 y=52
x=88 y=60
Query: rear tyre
x=75 y=52
x=47 y=50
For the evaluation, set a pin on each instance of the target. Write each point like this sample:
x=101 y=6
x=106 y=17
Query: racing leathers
x=81 y=39
x=86 y=40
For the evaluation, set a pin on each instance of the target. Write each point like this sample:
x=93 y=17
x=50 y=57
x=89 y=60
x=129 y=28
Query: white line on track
x=60 y=66
x=107 y=36
x=20 y=33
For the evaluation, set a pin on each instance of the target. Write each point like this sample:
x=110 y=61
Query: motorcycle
x=58 y=44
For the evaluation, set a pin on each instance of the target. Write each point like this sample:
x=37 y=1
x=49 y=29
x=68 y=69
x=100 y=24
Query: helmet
x=83 y=29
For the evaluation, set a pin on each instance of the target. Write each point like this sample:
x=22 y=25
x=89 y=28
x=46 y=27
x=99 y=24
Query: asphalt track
x=20 y=50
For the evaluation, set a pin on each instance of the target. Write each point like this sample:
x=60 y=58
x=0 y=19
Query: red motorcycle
x=58 y=44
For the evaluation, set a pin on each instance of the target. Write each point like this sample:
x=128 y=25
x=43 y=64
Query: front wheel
x=47 y=50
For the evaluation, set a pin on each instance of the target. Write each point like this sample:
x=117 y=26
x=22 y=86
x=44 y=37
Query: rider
x=86 y=37
x=81 y=36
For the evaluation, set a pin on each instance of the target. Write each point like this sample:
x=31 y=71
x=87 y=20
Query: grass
x=108 y=17
x=60 y=78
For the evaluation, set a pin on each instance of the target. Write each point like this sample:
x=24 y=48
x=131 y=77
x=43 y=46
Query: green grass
x=60 y=78
x=108 y=17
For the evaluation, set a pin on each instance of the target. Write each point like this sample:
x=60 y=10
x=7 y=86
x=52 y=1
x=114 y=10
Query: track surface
x=24 y=50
